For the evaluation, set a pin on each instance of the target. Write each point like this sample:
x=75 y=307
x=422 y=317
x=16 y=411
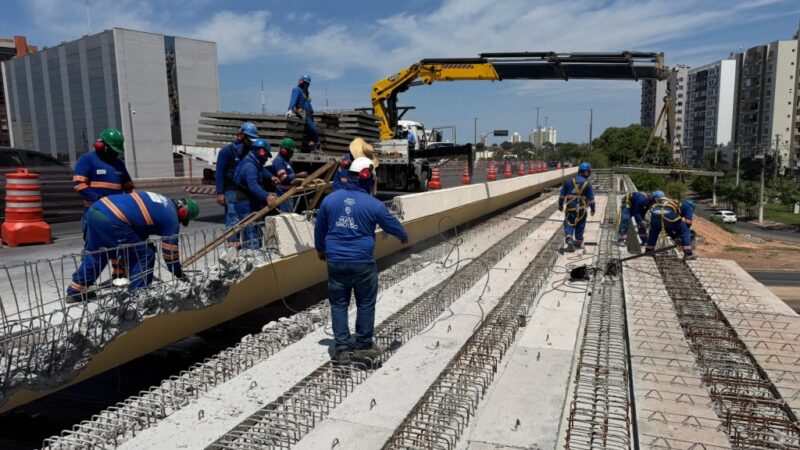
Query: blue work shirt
x=95 y=178
x=227 y=160
x=575 y=193
x=300 y=99
x=687 y=212
x=638 y=204
x=346 y=221
x=340 y=177
x=284 y=172
x=250 y=176
x=147 y=214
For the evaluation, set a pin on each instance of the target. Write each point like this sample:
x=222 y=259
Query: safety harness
x=577 y=200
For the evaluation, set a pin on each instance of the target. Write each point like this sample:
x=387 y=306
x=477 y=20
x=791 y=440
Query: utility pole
x=591 y=123
x=263 y=98
x=738 y=158
x=775 y=159
x=88 y=18
x=546 y=118
x=714 y=190
x=761 y=189
x=475 y=130
x=537 y=118
x=131 y=113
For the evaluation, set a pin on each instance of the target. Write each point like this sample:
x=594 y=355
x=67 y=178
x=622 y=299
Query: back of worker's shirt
x=346 y=223
x=147 y=213
x=227 y=161
x=251 y=176
x=666 y=208
x=687 y=212
x=300 y=99
x=638 y=205
x=95 y=178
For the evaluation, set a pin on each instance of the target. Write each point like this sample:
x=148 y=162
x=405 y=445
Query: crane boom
x=512 y=66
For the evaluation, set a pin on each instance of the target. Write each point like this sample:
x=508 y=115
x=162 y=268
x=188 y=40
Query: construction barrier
x=492 y=174
x=24 y=214
x=436 y=180
x=507 y=172
x=465 y=176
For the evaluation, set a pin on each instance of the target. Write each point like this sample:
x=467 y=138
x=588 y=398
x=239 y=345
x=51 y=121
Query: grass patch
x=781 y=213
x=734 y=248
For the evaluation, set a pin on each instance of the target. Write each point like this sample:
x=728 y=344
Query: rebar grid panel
x=600 y=406
x=392 y=334
x=751 y=409
x=149 y=407
x=729 y=291
x=439 y=418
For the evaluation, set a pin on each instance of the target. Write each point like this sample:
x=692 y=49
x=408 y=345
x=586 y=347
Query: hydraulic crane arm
x=512 y=66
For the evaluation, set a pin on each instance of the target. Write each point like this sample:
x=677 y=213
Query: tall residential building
x=542 y=135
x=767 y=102
x=709 y=111
x=153 y=87
x=9 y=48
x=653 y=94
x=516 y=138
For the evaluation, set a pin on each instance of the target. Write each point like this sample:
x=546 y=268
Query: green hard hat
x=114 y=139
x=192 y=210
x=288 y=143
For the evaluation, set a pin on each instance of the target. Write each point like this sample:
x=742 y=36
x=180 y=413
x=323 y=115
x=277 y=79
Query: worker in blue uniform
x=634 y=205
x=665 y=217
x=687 y=212
x=252 y=178
x=576 y=195
x=358 y=148
x=344 y=236
x=228 y=193
x=119 y=225
x=282 y=168
x=300 y=106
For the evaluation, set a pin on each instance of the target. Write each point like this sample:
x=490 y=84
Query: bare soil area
x=749 y=252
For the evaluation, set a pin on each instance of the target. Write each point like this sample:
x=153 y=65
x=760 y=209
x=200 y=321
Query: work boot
x=344 y=356
x=621 y=243
x=570 y=246
x=81 y=296
x=371 y=353
x=689 y=257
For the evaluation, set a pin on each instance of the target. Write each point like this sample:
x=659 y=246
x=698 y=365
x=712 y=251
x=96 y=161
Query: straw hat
x=359 y=148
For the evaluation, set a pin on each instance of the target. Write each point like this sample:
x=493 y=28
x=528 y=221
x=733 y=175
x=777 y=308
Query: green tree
x=788 y=191
x=627 y=146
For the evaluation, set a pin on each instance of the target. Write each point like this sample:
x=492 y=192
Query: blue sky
x=346 y=46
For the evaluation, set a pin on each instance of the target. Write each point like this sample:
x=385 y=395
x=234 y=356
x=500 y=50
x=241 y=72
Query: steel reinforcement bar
x=283 y=422
x=439 y=418
x=124 y=420
x=748 y=404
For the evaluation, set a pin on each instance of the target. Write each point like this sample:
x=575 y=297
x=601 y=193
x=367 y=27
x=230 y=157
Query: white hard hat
x=359 y=164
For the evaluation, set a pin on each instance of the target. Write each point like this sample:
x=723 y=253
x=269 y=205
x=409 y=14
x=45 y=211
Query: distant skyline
x=348 y=46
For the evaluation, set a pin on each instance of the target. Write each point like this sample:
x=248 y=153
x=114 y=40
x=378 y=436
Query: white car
x=724 y=216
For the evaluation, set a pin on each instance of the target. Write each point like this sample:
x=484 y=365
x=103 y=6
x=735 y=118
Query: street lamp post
x=475 y=130
x=714 y=191
x=131 y=113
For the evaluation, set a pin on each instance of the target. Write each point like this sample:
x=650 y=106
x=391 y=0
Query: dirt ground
x=749 y=252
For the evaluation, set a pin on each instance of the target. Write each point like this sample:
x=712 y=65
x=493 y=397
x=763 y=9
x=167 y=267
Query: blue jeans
x=344 y=279
x=287 y=206
x=236 y=210
x=677 y=229
x=311 y=128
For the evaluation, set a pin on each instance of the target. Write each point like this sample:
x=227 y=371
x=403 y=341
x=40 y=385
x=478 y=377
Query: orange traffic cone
x=531 y=168
x=465 y=176
x=507 y=172
x=436 y=180
x=492 y=175
x=558 y=166
x=520 y=169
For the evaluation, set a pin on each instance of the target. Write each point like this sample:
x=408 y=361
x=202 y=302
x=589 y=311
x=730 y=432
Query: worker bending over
x=358 y=149
x=687 y=212
x=119 y=225
x=300 y=106
x=577 y=196
x=228 y=193
x=251 y=177
x=665 y=217
x=634 y=205
x=344 y=236
x=283 y=171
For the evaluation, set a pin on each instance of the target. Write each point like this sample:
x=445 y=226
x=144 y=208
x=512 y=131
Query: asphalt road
x=754 y=230
x=776 y=277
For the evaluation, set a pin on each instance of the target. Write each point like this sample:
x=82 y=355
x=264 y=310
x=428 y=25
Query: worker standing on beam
x=119 y=225
x=344 y=236
x=282 y=168
x=577 y=196
x=634 y=205
x=358 y=149
x=251 y=177
x=300 y=106
x=228 y=193
x=665 y=217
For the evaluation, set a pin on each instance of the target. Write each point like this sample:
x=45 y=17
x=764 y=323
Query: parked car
x=724 y=216
x=60 y=201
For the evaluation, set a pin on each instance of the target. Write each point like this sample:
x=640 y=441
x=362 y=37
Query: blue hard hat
x=262 y=143
x=307 y=78
x=249 y=129
x=584 y=166
x=690 y=202
x=658 y=194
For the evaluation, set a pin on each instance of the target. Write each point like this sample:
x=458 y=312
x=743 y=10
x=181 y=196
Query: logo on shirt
x=347 y=221
x=101 y=171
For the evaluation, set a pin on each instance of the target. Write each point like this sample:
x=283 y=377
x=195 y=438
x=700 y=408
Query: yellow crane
x=511 y=66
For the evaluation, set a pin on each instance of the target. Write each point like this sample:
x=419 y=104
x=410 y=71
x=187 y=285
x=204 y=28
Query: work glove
x=322 y=256
x=289 y=114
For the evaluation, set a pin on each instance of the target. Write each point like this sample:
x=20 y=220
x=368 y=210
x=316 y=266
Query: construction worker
x=358 y=148
x=577 y=195
x=634 y=205
x=282 y=168
x=344 y=236
x=665 y=217
x=251 y=176
x=300 y=106
x=228 y=193
x=119 y=226
x=687 y=212
x=101 y=173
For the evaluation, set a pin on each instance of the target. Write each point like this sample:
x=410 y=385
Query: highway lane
x=776 y=277
x=704 y=211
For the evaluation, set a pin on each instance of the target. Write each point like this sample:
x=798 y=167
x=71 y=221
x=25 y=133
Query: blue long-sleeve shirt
x=250 y=176
x=95 y=178
x=638 y=205
x=346 y=221
x=340 y=178
x=300 y=99
x=147 y=214
x=284 y=172
x=227 y=160
x=687 y=212
x=575 y=193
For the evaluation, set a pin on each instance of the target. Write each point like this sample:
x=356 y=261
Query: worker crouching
x=634 y=205
x=665 y=216
x=121 y=224
x=344 y=236
x=577 y=196
x=250 y=178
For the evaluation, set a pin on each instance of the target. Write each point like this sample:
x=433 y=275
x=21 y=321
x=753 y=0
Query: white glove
x=289 y=114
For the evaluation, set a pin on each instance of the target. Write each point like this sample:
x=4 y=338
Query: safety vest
x=665 y=204
x=578 y=200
